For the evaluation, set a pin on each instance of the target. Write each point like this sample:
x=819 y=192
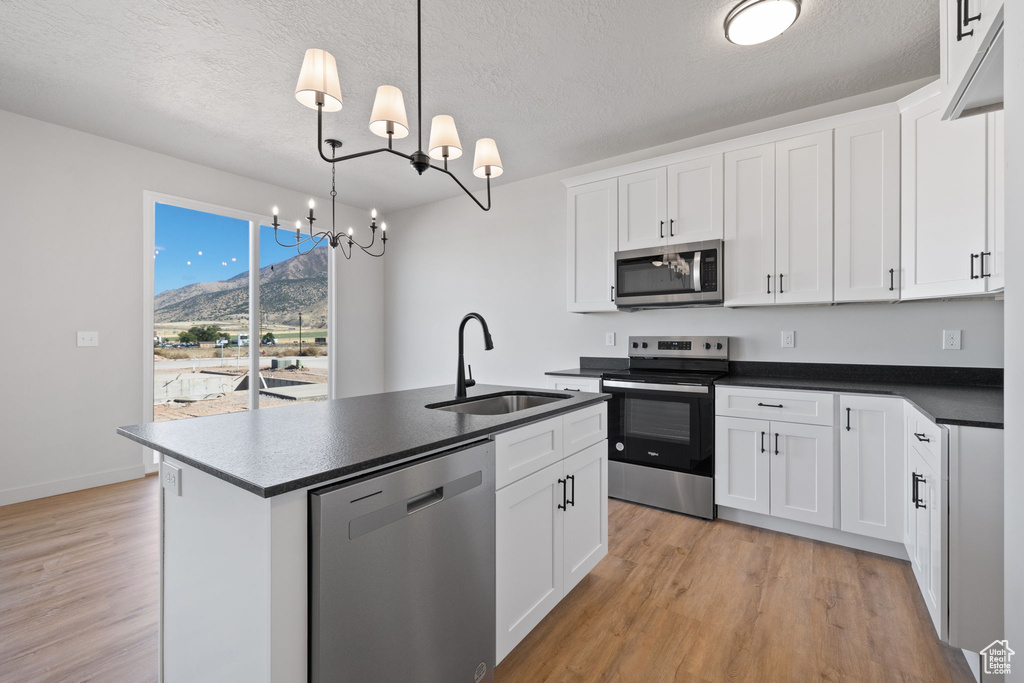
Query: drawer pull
x=922 y=437
x=770 y=405
x=571 y=389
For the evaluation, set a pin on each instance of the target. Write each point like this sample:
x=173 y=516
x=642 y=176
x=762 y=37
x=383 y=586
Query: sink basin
x=499 y=404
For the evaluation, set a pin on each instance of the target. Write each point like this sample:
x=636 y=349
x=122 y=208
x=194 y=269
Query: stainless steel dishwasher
x=402 y=573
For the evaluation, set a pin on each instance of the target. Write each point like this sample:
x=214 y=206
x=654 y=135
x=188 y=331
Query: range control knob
x=707 y=345
x=635 y=345
x=718 y=346
x=644 y=345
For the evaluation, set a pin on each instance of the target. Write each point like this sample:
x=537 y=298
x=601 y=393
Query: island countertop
x=272 y=451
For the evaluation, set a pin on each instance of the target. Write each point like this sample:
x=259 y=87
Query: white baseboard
x=815 y=532
x=54 y=488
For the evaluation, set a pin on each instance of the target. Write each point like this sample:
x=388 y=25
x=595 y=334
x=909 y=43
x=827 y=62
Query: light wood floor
x=677 y=599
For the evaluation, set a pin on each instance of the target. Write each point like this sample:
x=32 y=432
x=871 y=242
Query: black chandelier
x=319 y=88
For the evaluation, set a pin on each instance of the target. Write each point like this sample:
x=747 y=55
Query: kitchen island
x=235 y=511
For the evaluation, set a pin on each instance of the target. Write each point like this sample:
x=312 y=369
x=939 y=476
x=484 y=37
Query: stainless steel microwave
x=673 y=275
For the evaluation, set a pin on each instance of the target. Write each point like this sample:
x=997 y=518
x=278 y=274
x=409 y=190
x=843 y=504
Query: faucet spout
x=461 y=383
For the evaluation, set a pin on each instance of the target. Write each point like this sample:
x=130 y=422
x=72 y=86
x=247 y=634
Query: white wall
x=510 y=266
x=72 y=228
x=1014 y=402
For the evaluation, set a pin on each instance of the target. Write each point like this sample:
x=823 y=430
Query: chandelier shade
x=388 y=116
x=486 y=162
x=444 y=139
x=318 y=81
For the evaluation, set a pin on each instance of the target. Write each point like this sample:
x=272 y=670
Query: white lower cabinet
x=802 y=473
x=926 y=534
x=551 y=529
x=871 y=459
x=777 y=468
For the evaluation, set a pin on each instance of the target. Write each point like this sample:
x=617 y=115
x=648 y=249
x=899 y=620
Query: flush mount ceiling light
x=756 y=21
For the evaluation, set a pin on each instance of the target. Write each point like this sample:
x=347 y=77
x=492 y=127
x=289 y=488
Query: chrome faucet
x=461 y=383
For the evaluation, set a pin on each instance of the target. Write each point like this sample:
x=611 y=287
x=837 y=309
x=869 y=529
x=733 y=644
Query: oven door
x=669 y=426
x=665 y=276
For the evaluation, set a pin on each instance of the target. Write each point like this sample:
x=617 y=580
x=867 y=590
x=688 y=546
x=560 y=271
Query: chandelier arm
x=295 y=245
x=471 y=195
x=346 y=157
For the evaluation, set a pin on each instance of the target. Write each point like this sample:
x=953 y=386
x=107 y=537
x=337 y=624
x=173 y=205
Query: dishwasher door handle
x=417 y=503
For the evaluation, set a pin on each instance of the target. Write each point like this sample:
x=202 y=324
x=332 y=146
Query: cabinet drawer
x=926 y=438
x=589 y=384
x=805 y=407
x=526 y=450
x=584 y=428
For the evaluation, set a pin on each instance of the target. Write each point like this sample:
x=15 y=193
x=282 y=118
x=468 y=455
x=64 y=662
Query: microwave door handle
x=696 y=273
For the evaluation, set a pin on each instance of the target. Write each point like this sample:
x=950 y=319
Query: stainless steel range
x=661 y=423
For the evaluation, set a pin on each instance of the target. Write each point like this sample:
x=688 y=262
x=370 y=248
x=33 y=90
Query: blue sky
x=181 y=234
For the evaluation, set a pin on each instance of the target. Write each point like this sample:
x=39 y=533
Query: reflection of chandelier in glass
x=333 y=237
x=319 y=88
x=677 y=265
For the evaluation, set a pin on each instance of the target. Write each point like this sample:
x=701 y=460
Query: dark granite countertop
x=971 y=406
x=273 y=451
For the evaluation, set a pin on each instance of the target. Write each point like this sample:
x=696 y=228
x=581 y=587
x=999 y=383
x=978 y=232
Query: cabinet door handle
x=769 y=284
x=561 y=506
x=572 y=497
x=776 y=443
x=913 y=489
x=770 y=405
x=671 y=227
x=662 y=229
x=916 y=494
x=962 y=19
x=892 y=279
x=613 y=293
x=967 y=16
x=973 y=276
x=847 y=419
x=922 y=437
x=982 y=263
x=762 y=442
x=780 y=284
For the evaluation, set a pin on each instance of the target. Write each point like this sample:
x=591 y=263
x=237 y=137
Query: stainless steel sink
x=499 y=404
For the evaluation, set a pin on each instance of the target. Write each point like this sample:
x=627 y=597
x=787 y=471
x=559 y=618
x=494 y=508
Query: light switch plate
x=88 y=338
x=609 y=339
x=788 y=339
x=951 y=340
x=171 y=478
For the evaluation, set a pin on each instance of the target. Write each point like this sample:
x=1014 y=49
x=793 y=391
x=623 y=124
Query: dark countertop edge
x=589 y=373
x=331 y=476
x=880 y=391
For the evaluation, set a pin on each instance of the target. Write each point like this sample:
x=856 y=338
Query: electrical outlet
x=171 y=477
x=951 y=340
x=609 y=339
x=788 y=339
x=88 y=338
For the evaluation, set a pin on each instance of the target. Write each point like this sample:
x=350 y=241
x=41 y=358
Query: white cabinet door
x=750 y=226
x=803 y=219
x=944 y=202
x=528 y=554
x=742 y=478
x=695 y=200
x=593 y=237
x=802 y=471
x=867 y=205
x=930 y=565
x=871 y=455
x=993 y=265
x=642 y=204
x=586 y=514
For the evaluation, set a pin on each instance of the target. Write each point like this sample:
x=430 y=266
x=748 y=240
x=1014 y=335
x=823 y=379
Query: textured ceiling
x=556 y=83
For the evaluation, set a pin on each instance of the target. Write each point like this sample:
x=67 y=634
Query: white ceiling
x=556 y=83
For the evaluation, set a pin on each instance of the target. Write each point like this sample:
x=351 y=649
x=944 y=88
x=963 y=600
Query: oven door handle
x=645 y=386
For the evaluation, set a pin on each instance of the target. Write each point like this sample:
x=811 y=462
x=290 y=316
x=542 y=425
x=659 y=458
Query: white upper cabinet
x=750 y=226
x=945 y=202
x=867 y=211
x=871 y=457
x=695 y=200
x=992 y=265
x=593 y=238
x=803 y=219
x=642 y=205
